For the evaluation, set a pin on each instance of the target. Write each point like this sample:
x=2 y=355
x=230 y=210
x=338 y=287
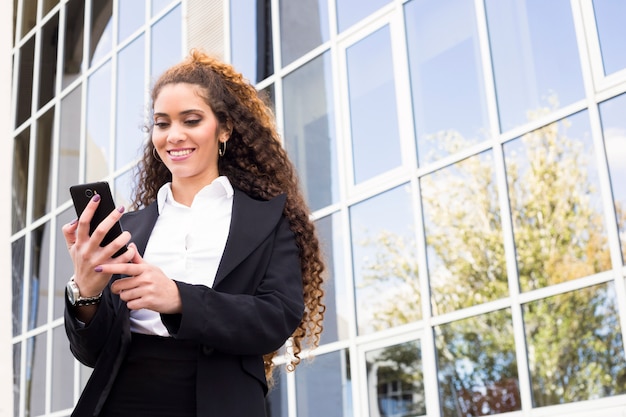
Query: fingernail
x=96 y=198
x=121 y=209
x=98 y=268
x=73 y=222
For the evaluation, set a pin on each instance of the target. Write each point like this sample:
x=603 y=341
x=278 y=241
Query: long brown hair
x=254 y=162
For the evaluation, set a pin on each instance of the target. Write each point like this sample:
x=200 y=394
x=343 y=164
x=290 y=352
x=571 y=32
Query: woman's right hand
x=86 y=252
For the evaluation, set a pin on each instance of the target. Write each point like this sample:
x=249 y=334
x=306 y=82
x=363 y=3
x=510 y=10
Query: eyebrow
x=182 y=113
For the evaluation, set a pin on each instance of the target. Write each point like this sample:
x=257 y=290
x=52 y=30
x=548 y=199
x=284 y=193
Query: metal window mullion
x=115 y=50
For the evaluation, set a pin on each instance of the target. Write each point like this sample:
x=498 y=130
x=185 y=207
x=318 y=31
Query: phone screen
x=82 y=194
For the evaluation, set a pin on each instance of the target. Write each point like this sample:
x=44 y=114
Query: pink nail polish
x=96 y=198
x=98 y=268
x=121 y=209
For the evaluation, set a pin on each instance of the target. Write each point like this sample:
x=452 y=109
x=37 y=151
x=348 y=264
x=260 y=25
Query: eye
x=192 y=122
x=161 y=125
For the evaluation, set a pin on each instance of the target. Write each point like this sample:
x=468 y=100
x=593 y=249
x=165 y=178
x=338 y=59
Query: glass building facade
x=464 y=161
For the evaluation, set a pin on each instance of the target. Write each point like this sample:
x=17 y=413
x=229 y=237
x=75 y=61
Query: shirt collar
x=220 y=186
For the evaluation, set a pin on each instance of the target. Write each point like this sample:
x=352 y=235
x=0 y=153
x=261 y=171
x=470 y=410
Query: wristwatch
x=73 y=295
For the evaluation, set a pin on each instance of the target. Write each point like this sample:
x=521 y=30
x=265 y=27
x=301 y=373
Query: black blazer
x=255 y=304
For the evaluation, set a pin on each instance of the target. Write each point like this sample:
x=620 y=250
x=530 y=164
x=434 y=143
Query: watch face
x=72 y=292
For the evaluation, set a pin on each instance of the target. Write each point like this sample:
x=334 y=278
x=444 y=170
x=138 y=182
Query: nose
x=176 y=133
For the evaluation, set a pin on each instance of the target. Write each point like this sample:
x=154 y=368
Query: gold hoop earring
x=221 y=150
x=156 y=155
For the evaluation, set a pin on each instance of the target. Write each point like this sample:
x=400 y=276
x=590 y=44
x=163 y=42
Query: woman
x=222 y=267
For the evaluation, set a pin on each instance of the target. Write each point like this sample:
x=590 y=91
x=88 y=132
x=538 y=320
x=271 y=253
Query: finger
x=105 y=225
x=137 y=259
x=69 y=232
x=84 y=221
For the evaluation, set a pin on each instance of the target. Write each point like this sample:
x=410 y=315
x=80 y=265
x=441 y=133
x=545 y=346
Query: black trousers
x=156 y=379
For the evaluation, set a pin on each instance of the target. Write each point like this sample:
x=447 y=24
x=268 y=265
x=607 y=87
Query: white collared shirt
x=187 y=243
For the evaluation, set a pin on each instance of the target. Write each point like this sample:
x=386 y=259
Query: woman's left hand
x=145 y=286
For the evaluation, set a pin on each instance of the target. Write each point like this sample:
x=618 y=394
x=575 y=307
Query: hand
x=86 y=252
x=146 y=286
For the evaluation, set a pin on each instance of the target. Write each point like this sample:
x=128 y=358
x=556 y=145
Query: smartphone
x=82 y=194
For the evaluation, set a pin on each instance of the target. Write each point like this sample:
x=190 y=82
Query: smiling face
x=186 y=134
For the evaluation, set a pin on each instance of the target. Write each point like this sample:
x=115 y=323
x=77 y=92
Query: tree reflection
x=575 y=349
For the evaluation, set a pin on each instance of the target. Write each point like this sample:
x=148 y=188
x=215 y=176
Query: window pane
x=351 y=11
x=98 y=123
x=48 y=5
x=303 y=27
x=384 y=255
x=395 y=380
x=310 y=136
x=101 y=29
x=448 y=105
x=166 y=49
x=132 y=15
x=39 y=276
x=74 y=34
x=18 y=253
x=251 y=38
x=158 y=6
x=25 y=82
x=17 y=376
x=62 y=374
x=338 y=314
x=63 y=267
x=29 y=16
x=43 y=162
x=69 y=144
x=559 y=230
x=48 y=62
x=130 y=103
x=613 y=115
x=611 y=32
x=21 y=149
x=532 y=42
x=276 y=400
x=36 y=376
x=373 y=112
x=327 y=377
x=477 y=368
x=466 y=262
x=575 y=351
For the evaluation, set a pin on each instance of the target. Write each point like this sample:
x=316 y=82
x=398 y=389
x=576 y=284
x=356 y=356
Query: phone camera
x=89 y=193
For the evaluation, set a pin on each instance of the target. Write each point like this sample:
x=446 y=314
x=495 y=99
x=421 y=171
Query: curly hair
x=255 y=163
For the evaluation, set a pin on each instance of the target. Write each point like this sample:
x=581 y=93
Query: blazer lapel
x=140 y=224
x=252 y=221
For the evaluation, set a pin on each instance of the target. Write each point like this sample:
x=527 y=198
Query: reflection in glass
x=62 y=379
x=29 y=16
x=124 y=186
x=303 y=27
x=101 y=29
x=351 y=11
x=130 y=109
x=611 y=33
x=63 y=267
x=43 y=163
x=449 y=106
x=39 y=276
x=69 y=144
x=18 y=253
x=276 y=400
x=466 y=261
x=326 y=377
x=21 y=149
x=269 y=97
x=73 y=46
x=373 y=112
x=575 y=346
x=98 y=123
x=166 y=48
x=555 y=200
x=35 y=391
x=477 y=368
x=309 y=135
x=385 y=261
x=132 y=15
x=613 y=116
x=48 y=5
x=338 y=314
x=251 y=38
x=395 y=381
x=531 y=43
x=17 y=375
x=25 y=82
x=48 y=60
